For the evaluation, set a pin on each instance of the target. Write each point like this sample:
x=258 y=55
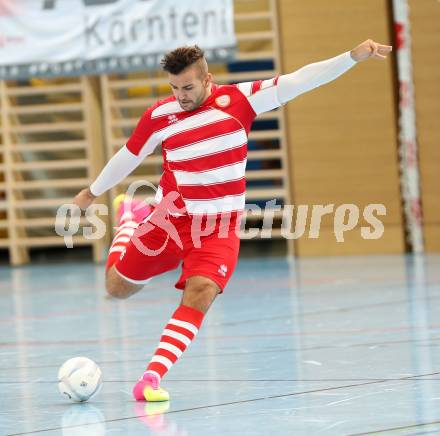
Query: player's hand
x=84 y=199
x=370 y=49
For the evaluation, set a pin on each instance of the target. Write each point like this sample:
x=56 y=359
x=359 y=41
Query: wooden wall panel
x=342 y=137
x=425 y=31
x=4 y=186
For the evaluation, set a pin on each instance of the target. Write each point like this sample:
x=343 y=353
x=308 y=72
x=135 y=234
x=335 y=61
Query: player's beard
x=192 y=105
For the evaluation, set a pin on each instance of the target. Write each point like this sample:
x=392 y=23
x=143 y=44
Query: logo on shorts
x=223 y=100
x=223 y=269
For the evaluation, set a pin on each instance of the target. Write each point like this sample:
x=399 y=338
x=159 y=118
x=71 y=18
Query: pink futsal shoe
x=139 y=209
x=147 y=389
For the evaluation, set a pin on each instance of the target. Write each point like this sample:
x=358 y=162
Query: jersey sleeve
x=261 y=94
x=117 y=168
x=143 y=139
x=312 y=76
x=141 y=143
x=265 y=95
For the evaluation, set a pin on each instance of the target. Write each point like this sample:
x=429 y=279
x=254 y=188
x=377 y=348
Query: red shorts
x=208 y=249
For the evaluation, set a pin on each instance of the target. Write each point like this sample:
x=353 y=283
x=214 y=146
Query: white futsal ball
x=79 y=379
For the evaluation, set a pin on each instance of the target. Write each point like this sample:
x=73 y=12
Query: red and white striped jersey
x=204 y=150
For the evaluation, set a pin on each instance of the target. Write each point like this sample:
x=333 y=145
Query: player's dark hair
x=181 y=58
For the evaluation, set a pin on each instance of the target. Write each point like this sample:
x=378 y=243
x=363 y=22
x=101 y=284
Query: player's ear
x=207 y=81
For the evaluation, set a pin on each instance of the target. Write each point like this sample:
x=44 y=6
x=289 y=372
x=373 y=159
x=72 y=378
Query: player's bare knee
x=200 y=292
x=116 y=290
x=201 y=286
x=116 y=286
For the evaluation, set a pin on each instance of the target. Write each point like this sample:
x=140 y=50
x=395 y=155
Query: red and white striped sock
x=127 y=225
x=131 y=213
x=178 y=334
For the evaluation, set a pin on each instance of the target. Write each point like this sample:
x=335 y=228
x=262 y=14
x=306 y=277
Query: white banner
x=71 y=37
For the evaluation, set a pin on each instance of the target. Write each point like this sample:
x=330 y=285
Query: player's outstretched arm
x=117 y=168
x=313 y=75
x=141 y=143
x=317 y=74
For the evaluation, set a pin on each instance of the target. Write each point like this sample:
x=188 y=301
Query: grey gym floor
x=337 y=346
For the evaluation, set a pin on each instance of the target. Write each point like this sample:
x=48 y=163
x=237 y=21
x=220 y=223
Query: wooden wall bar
x=51 y=148
x=425 y=31
x=342 y=137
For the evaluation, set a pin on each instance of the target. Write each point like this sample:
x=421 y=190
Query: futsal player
x=202 y=130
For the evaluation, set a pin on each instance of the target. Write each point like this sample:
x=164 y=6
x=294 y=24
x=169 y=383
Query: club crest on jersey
x=172 y=119
x=223 y=100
